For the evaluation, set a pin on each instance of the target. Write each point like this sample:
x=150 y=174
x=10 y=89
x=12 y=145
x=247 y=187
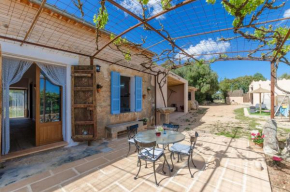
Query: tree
x=225 y=86
x=243 y=83
x=284 y=76
x=202 y=77
x=258 y=77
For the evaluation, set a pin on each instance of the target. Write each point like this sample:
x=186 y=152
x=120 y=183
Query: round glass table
x=164 y=139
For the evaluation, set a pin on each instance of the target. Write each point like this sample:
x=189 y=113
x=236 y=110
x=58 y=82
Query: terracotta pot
x=144 y=96
x=259 y=144
x=98 y=90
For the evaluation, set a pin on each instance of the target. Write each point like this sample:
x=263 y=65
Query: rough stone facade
x=104 y=116
x=0 y=97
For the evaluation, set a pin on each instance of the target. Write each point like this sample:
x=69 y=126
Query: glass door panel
x=50 y=101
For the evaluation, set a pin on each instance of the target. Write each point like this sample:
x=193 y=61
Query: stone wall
x=104 y=116
x=0 y=99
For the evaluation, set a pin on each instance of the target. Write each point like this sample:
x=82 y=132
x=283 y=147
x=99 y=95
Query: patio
x=223 y=164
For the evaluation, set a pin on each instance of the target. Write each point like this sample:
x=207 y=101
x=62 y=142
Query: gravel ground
x=217 y=118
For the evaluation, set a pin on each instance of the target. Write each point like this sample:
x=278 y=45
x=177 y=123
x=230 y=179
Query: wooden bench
x=113 y=130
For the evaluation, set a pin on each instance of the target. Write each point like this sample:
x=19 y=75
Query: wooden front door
x=48 y=118
x=84 y=126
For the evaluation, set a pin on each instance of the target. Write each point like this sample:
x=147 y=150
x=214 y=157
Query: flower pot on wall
x=99 y=87
x=260 y=145
x=144 y=96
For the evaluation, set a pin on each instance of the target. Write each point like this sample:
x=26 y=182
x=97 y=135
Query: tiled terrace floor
x=223 y=164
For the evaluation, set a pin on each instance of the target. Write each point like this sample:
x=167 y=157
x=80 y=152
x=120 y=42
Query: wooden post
x=272 y=89
x=91 y=60
x=155 y=99
x=0 y=101
x=260 y=101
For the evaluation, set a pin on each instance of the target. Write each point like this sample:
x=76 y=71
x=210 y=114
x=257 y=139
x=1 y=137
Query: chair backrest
x=132 y=131
x=193 y=140
x=171 y=126
x=141 y=145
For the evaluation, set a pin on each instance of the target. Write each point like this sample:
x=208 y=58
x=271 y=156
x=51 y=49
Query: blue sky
x=190 y=20
x=233 y=69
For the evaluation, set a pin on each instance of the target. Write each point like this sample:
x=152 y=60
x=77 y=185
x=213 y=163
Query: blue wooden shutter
x=138 y=93
x=115 y=92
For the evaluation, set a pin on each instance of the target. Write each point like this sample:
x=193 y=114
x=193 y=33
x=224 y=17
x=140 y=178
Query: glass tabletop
x=164 y=139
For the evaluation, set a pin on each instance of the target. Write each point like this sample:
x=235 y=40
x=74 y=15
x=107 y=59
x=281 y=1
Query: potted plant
x=159 y=130
x=99 y=87
x=145 y=120
x=258 y=138
x=148 y=89
x=276 y=160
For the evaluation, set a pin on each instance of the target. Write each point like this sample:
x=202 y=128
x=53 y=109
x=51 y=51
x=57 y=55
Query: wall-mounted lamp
x=98 y=68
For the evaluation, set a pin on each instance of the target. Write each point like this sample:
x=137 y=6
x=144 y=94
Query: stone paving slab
x=223 y=164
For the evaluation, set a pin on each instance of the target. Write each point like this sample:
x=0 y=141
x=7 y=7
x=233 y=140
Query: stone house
x=40 y=95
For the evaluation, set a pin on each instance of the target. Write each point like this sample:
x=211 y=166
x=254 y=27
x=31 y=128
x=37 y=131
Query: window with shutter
x=115 y=92
x=138 y=93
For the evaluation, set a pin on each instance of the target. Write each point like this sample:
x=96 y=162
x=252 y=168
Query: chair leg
x=139 y=162
x=189 y=166
x=192 y=161
x=163 y=167
x=129 y=149
x=146 y=164
x=165 y=160
x=155 y=173
x=171 y=155
x=136 y=149
x=178 y=155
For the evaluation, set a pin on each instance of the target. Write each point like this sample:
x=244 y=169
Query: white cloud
x=154 y=7
x=286 y=13
x=205 y=47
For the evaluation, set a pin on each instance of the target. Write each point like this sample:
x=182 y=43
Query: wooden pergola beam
x=33 y=22
x=142 y=22
x=149 y=26
x=273 y=75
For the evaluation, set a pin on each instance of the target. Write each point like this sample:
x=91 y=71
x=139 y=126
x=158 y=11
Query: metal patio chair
x=171 y=126
x=132 y=131
x=148 y=152
x=181 y=149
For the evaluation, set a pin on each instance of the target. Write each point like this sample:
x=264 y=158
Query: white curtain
x=57 y=75
x=12 y=72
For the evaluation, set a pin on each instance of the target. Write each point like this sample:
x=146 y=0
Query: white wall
x=266 y=97
x=33 y=53
x=159 y=100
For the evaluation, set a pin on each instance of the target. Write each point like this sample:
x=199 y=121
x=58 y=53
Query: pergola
x=191 y=28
